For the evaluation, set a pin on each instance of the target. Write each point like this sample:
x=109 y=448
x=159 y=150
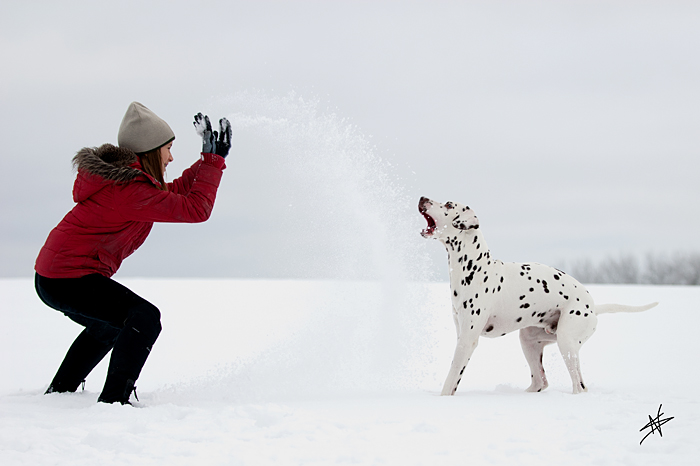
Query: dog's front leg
x=455 y=317
x=466 y=343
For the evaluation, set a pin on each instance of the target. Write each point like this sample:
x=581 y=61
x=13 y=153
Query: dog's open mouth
x=431 y=226
x=422 y=207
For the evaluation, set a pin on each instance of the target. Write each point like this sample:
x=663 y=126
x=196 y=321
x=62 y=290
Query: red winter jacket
x=117 y=204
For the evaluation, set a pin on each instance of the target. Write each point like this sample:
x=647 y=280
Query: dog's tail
x=611 y=308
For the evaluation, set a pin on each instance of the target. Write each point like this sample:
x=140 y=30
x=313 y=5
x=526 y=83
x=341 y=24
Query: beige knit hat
x=142 y=130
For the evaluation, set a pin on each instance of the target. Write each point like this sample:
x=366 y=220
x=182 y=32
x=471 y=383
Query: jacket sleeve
x=183 y=184
x=190 y=201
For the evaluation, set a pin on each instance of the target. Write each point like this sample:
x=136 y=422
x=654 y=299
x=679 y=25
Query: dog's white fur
x=491 y=298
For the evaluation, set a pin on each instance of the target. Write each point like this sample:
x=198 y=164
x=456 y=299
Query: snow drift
x=301 y=372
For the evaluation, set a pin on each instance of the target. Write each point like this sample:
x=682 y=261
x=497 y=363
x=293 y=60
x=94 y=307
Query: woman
x=120 y=192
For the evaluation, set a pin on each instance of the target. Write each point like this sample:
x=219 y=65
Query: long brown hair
x=152 y=164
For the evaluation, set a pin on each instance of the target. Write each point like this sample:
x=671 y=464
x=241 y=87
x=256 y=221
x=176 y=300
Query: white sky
x=571 y=128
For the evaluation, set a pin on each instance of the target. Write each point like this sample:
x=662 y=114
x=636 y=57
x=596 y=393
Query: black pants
x=114 y=318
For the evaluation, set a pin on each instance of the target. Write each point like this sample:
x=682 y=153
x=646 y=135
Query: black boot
x=82 y=357
x=117 y=389
x=131 y=349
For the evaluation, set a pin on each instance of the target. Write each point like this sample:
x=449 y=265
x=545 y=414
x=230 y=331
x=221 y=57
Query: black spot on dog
x=489 y=328
x=455 y=292
x=524 y=306
x=578 y=313
x=522 y=297
x=518 y=319
x=468 y=279
x=478 y=311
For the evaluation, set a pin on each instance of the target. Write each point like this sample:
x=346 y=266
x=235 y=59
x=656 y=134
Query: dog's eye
x=449 y=205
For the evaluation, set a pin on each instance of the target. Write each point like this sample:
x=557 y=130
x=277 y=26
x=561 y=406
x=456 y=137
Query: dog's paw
x=537 y=387
x=580 y=388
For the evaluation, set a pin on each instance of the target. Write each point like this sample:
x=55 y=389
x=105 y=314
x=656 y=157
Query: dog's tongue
x=431 y=225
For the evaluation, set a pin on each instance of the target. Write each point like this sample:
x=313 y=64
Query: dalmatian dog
x=491 y=298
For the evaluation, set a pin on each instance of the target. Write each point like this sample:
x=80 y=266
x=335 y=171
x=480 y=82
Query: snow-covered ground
x=314 y=372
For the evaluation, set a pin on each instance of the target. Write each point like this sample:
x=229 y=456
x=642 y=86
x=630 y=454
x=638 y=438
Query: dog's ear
x=471 y=223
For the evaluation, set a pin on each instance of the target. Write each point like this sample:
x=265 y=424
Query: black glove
x=223 y=144
x=203 y=128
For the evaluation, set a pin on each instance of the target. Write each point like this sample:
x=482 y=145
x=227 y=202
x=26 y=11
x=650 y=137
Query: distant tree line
x=655 y=269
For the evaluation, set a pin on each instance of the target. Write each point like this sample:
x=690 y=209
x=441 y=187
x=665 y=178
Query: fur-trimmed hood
x=101 y=166
x=110 y=162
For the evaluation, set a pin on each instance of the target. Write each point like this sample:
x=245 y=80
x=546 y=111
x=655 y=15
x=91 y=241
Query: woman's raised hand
x=223 y=144
x=203 y=127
